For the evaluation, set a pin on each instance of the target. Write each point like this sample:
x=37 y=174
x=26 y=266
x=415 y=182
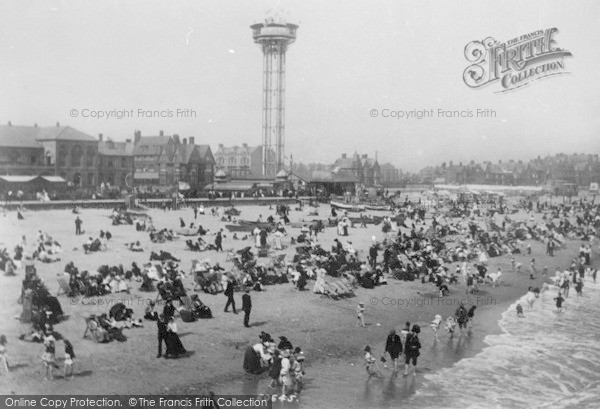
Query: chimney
x=185 y=141
x=176 y=138
x=137 y=135
x=364 y=156
x=57 y=124
x=100 y=137
x=192 y=141
x=245 y=145
x=161 y=133
x=35 y=125
x=343 y=156
x=128 y=140
x=220 y=145
x=9 y=124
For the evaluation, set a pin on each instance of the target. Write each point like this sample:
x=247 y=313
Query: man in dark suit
x=78 y=226
x=229 y=294
x=161 y=325
x=246 y=307
x=219 y=241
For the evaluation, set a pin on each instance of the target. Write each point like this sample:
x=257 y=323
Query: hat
x=416 y=329
x=438 y=317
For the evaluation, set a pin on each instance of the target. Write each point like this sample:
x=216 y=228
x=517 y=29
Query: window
x=76 y=155
x=33 y=160
x=123 y=162
x=89 y=157
x=62 y=156
x=90 y=179
x=111 y=163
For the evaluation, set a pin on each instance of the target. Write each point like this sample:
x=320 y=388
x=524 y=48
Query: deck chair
x=200 y=279
x=159 y=269
x=339 y=289
x=330 y=292
x=186 y=302
x=64 y=287
x=97 y=333
x=277 y=261
x=347 y=288
x=351 y=283
x=238 y=264
x=195 y=263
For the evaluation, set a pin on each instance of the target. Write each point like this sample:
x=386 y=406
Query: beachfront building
x=390 y=175
x=241 y=161
x=53 y=150
x=164 y=161
x=115 y=162
x=366 y=170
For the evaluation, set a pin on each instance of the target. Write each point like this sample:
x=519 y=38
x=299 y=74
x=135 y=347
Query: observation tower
x=273 y=38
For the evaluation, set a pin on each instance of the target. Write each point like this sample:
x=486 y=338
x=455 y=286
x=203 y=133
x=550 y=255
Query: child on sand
x=360 y=311
x=519 y=311
x=449 y=326
x=435 y=325
x=69 y=355
x=48 y=360
x=371 y=362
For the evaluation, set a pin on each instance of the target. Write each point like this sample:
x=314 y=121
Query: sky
x=349 y=58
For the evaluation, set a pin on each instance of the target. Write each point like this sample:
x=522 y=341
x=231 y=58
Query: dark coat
x=393 y=345
x=162 y=329
x=246 y=302
x=229 y=290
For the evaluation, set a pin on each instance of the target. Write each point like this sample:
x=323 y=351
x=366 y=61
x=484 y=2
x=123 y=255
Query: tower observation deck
x=274 y=39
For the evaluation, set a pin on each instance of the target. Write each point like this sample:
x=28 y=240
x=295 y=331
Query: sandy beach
x=325 y=329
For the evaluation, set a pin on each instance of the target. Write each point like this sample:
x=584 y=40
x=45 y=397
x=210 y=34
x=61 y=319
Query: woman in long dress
x=255 y=357
x=174 y=346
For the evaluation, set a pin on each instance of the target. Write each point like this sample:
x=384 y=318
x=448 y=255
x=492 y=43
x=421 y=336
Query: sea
x=545 y=359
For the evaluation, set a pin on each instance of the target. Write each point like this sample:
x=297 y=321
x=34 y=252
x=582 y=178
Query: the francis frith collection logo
x=514 y=63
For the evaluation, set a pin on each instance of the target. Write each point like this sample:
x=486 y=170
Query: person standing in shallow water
x=461 y=318
x=559 y=301
x=411 y=349
x=471 y=316
x=393 y=346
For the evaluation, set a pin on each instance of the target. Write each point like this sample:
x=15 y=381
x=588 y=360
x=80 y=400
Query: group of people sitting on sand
x=161 y=236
